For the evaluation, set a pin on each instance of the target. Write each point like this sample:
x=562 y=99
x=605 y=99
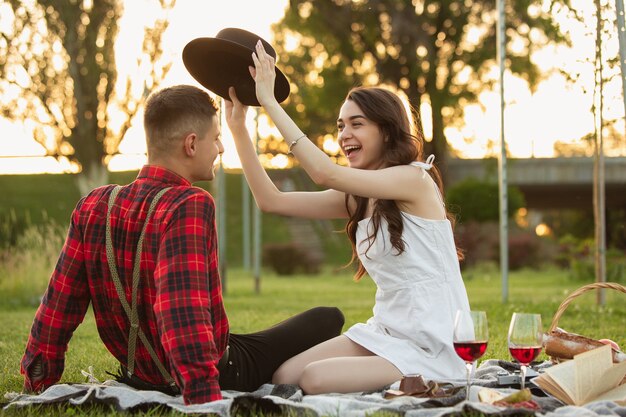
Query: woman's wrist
x=239 y=131
x=294 y=142
x=270 y=105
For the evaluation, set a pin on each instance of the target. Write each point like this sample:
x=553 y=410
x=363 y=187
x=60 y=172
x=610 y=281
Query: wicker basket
x=570 y=298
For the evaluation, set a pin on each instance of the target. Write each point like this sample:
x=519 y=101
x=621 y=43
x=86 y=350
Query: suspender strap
x=131 y=310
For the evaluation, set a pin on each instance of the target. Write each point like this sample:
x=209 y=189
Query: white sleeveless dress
x=417 y=296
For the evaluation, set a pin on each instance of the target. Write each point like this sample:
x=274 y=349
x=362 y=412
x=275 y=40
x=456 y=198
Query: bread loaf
x=562 y=345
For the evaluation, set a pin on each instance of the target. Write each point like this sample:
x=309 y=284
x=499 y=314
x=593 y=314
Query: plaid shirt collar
x=160 y=174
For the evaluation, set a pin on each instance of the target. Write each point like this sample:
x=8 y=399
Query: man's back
x=180 y=311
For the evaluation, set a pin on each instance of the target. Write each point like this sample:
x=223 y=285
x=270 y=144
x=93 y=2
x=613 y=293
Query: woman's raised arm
x=319 y=204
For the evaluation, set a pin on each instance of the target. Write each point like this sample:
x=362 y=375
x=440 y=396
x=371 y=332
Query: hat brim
x=218 y=64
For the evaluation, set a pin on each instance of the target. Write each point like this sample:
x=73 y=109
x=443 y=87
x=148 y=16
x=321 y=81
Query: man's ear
x=189 y=144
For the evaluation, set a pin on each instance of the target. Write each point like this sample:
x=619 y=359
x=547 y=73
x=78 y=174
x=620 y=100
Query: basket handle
x=581 y=290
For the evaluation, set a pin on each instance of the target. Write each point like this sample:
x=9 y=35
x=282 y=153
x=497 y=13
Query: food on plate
x=531 y=404
x=489 y=396
x=518 y=399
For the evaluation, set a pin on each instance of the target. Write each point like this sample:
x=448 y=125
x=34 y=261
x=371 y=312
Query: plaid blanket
x=289 y=400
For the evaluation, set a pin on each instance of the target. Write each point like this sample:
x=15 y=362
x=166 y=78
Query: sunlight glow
x=521 y=218
x=126 y=162
x=291 y=43
x=279 y=161
x=331 y=145
x=534 y=121
x=474 y=35
x=543 y=230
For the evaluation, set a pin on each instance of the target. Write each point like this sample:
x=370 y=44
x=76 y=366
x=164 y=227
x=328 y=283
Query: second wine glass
x=470 y=338
x=525 y=340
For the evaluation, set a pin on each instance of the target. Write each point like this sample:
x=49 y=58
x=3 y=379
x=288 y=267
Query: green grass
x=280 y=297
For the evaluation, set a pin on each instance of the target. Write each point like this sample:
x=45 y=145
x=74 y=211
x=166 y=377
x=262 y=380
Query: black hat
x=222 y=62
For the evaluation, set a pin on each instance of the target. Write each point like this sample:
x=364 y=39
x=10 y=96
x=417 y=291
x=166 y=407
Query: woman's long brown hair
x=401 y=148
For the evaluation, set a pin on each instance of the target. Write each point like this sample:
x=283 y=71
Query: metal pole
x=257 y=220
x=504 y=218
x=245 y=193
x=221 y=222
x=221 y=215
x=621 y=34
x=599 y=194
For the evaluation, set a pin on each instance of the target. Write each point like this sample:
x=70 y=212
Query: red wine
x=525 y=355
x=470 y=351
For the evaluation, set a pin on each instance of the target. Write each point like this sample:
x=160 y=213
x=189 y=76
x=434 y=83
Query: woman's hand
x=264 y=75
x=235 y=112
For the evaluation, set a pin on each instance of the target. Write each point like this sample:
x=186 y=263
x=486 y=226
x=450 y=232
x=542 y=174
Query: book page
x=608 y=381
x=591 y=374
x=546 y=383
x=616 y=394
x=564 y=376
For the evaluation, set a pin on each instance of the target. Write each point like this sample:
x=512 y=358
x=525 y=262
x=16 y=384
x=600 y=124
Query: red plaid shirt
x=179 y=300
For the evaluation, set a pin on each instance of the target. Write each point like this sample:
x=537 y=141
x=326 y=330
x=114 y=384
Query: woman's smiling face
x=360 y=139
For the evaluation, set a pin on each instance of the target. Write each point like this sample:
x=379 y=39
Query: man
x=145 y=256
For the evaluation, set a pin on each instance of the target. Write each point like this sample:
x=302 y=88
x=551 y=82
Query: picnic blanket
x=289 y=400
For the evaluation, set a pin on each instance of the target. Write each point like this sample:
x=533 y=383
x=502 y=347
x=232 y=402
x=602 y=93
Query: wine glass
x=525 y=339
x=470 y=338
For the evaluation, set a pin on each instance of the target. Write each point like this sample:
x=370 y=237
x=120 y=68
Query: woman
x=400 y=234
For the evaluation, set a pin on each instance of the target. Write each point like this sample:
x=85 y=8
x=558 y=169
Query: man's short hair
x=173 y=113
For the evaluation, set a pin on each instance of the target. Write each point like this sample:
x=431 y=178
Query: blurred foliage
x=26 y=265
x=478 y=200
x=290 y=258
x=578 y=257
x=579 y=224
x=440 y=52
x=35 y=200
x=58 y=74
x=480 y=243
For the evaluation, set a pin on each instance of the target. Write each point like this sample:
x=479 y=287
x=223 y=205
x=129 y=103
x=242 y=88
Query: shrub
x=481 y=243
x=25 y=268
x=616 y=265
x=578 y=255
x=290 y=258
x=475 y=200
x=11 y=227
x=524 y=249
x=478 y=241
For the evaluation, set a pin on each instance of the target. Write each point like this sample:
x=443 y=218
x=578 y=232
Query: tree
x=602 y=60
x=436 y=52
x=58 y=72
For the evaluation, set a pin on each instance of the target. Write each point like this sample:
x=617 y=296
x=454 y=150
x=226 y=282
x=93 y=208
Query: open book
x=590 y=376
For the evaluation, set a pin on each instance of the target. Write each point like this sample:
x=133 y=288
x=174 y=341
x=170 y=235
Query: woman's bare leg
x=348 y=374
x=337 y=365
x=291 y=370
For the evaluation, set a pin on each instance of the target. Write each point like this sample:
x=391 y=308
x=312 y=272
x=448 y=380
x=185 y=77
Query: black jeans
x=253 y=358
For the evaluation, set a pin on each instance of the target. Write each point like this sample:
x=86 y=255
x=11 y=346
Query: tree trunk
x=598 y=167
x=438 y=146
x=92 y=176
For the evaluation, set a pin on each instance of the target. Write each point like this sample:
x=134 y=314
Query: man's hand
x=35 y=375
x=235 y=112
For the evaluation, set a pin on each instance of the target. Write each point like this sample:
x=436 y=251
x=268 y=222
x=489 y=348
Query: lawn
x=280 y=297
